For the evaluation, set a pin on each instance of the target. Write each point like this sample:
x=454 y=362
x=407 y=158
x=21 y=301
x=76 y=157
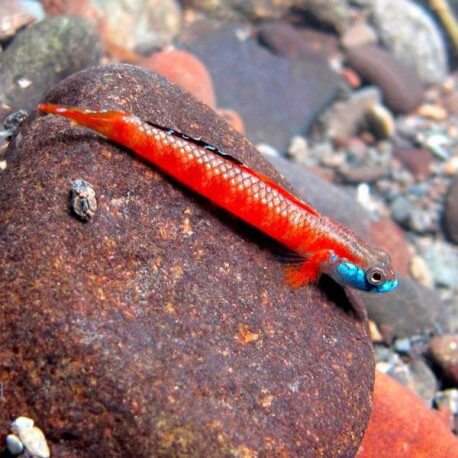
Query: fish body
x=324 y=245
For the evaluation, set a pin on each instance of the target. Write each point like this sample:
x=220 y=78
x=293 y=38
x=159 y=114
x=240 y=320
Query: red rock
x=186 y=70
x=451 y=211
x=402 y=426
x=401 y=86
x=416 y=160
x=232 y=118
x=388 y=235
x=444 y=352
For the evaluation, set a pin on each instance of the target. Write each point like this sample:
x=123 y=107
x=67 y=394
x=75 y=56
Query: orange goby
x=323 y=245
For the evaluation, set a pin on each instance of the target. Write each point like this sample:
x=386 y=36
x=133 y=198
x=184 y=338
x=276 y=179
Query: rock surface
x=276 y=97
x=397 y=22
x=42 y=55
x=401 y=426
x=162 y=326
x=401 y=87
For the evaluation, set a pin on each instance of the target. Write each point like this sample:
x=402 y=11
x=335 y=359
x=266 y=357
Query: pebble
x=444 y=353
x=451 y=166
x=421 y=272
x=442 y=259
x=448 y=399
x=298 y=149
x=435 y=112
x=381 y=121
x=397 y=22
x=32 y=437
x=14 y=444
x=401 y=86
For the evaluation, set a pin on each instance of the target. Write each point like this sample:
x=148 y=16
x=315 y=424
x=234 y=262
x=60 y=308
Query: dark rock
x=410 y=310
x=401 y=86
x=162 y=327
x=276 y=97
x=417 y=160
x=444 y=353
x=44 y=54
x=284 y=40
x=451 y=212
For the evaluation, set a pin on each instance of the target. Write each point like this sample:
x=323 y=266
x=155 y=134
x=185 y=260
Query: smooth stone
x=410 y=33
x=162 y=327
x=277 y=98
x=401 y=422
x=44 y=54
x=401 y=86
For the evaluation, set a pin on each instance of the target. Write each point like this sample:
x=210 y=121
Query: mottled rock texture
x=162 y=327
x=44 y=54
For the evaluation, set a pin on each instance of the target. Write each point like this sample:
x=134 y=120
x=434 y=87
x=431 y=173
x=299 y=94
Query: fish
x=322 y=245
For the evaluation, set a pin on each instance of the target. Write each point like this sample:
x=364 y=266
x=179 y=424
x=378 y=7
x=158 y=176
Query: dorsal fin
x=197 y=141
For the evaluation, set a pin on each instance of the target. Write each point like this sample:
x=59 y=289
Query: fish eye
x=375 y=276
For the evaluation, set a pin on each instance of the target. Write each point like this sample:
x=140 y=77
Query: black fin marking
x=197 y=141
x=286 y=256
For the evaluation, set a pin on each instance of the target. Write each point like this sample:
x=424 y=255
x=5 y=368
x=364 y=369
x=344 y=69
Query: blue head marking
x=350 y=274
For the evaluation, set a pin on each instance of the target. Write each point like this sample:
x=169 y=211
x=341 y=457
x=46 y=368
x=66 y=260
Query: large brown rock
x=161 y=327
